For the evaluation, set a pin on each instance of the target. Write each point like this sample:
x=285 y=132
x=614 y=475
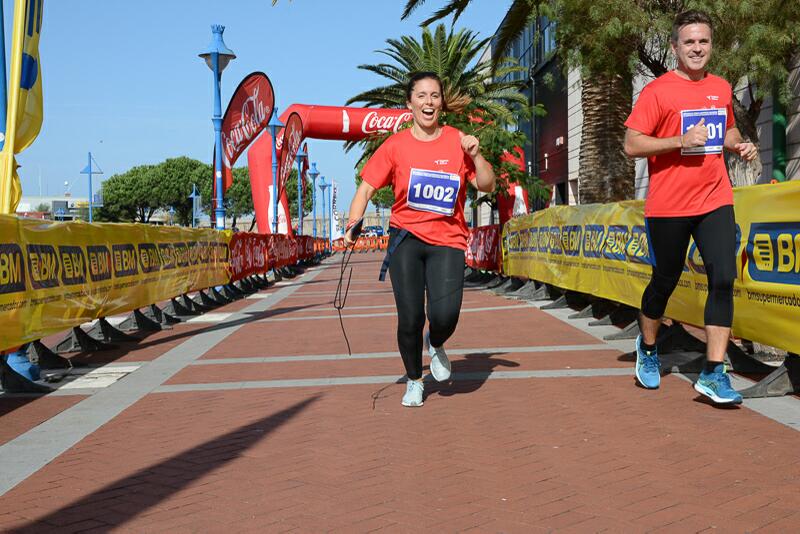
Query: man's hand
x=747 y=150
x=470 y=145
x=697 y=135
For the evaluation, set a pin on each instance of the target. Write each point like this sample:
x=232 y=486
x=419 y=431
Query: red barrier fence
x=257 y=253
x=364 y=244
x=483 y=248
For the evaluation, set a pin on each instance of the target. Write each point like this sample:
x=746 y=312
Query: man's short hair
x=691 y=16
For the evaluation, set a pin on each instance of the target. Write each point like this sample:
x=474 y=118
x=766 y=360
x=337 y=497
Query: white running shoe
x=413 y=396
x=440 y=365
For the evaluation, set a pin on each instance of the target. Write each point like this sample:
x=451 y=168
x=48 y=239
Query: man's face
x=693 y=49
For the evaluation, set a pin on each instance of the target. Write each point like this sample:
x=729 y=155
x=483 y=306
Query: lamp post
x=217 y=57
x=324 y=186
x=300 y=156
x=88 y=170
x=274 y=124
x=313 y=173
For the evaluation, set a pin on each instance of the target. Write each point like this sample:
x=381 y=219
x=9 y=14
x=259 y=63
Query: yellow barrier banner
x=602 y=250
x=56 y=275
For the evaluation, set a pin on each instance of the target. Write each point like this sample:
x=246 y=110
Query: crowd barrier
x=602 y=250
x=55 y=276
x=363 y=244
x=483 y=248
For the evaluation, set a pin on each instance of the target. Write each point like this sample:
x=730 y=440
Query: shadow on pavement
x=146 y=488
x=470 y=373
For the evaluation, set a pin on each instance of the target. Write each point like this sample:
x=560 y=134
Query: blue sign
x=433 y=191
x=715 y=120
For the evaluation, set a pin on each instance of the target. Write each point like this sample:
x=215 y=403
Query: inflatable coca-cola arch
x=332 y=123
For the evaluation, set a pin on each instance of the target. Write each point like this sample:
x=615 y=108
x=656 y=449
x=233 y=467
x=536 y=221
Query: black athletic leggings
x=715 y=236
x=414 y=267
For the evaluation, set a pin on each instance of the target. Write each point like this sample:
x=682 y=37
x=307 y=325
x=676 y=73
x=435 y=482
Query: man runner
x=681 y=122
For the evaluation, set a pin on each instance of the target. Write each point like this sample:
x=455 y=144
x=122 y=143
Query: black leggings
x=414 y=267
x=715 y=236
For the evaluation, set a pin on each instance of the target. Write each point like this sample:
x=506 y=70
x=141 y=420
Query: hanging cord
x=340 y=298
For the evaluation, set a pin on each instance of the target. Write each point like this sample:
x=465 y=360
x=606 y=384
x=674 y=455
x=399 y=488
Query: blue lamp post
x=313 y=173
x=323 y=185
x=88 y=170
x=217 y=57
x=274 y=124
x=301 y=155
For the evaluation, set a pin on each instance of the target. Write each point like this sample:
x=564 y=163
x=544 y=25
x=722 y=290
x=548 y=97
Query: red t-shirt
x=684 y=184
x=429 y=179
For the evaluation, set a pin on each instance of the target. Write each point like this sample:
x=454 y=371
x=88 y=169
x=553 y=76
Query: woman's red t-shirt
x=429 y=179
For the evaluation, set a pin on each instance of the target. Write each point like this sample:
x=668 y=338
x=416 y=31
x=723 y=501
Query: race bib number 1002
x=715 y=121
x=433 y=191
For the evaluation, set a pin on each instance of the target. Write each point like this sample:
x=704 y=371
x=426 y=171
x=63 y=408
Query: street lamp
x=274 y=124
x=313 y=173
x=300 y=156
x=88 y=170
x=324 y=186
x=217 y=57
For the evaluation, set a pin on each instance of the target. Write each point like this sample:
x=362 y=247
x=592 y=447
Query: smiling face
x=693 y=49
x=426 y=103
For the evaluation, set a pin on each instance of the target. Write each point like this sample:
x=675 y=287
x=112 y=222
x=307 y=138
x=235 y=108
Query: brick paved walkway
x=262 y=423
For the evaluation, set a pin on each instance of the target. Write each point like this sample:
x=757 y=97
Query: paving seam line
x=34 y=449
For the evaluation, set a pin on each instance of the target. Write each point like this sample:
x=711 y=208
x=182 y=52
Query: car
x=373 y=231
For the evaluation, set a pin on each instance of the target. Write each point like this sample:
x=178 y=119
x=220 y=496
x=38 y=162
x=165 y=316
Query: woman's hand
x=471 y=145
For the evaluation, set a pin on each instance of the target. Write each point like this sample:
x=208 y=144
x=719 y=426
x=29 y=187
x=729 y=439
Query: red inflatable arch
x=322 y=122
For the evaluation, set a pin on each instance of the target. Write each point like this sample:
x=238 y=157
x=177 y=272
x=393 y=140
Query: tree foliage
x=480 y=104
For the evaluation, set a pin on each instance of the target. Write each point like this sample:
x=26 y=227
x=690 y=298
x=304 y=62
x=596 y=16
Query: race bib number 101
x=433 y=191
x=715 y=121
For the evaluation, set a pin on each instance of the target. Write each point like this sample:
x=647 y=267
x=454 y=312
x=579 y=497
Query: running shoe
x=717 y=386
x=413 y=396
x=440 y=365
x=648 y=367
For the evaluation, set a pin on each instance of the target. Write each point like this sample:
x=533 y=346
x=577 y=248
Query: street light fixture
x=323 y=185
x=301 y=155
x=217 y=57
x=88 y=170
x=313 y=173
x=274 y=124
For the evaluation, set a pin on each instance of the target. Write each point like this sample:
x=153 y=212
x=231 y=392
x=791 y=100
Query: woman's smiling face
x=426 y=102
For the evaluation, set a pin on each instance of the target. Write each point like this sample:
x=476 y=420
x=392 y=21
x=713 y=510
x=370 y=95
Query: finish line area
x=253 y=417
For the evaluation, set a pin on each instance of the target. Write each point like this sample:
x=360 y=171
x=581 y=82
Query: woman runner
x=428 y=167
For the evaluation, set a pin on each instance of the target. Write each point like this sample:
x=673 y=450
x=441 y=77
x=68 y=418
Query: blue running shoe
x=648 y=367
x=717 y=386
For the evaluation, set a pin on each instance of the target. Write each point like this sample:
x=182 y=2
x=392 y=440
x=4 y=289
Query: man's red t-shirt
x=429 y=179
x=684 y=184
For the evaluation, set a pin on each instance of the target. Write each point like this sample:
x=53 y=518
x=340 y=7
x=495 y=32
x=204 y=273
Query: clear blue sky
x=122 y=79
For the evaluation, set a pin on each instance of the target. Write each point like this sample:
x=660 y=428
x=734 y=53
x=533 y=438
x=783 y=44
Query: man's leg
x=668 y=240
x=715 y=236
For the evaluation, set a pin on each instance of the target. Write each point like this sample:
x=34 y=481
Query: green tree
x=131 y=196
x=610 y=40
x=43 y=207
x=177 y=175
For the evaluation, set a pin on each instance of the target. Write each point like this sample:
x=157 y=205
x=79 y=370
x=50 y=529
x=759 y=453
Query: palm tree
x=584 y=28
x=448 y=54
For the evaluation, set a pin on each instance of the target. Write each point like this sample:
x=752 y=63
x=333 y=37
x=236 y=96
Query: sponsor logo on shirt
x=713 y=98
x=441 y=161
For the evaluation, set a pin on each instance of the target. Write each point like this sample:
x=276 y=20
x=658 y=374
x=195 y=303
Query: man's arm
x=639 y=145
x=735 y=143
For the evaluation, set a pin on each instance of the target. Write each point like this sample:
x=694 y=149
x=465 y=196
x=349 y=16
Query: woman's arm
x=485 y=178
x=358 y=207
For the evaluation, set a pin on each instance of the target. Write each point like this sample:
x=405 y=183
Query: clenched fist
x=470 y=145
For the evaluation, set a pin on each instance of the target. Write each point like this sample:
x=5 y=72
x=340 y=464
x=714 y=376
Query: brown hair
x=690 y=17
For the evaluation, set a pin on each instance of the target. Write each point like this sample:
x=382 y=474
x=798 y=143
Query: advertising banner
x=54 y=276
x=248 y=113
x=248 y=255
x=483 y=248
x=602 y=250
x=281 y=251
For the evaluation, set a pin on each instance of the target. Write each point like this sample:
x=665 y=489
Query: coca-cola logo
x=374 y=122
x=252 y=118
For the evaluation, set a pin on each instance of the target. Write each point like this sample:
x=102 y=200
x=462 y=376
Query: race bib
x=433 y=191
x=715 y=121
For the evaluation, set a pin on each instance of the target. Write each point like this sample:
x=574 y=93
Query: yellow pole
x=8 y=169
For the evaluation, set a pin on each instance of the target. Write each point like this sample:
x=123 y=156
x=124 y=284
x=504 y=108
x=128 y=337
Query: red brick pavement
x=531 y=455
